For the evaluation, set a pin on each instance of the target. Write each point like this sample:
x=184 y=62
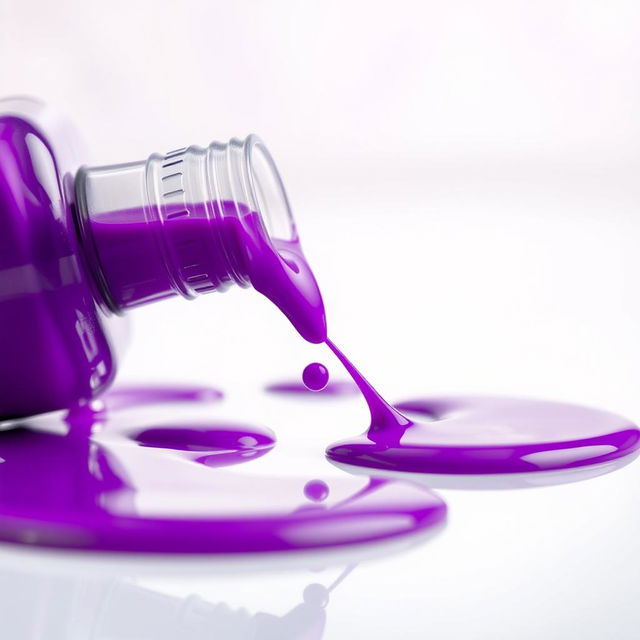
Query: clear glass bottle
x=80 y=246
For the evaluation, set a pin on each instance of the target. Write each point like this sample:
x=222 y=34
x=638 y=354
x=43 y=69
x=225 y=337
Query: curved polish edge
x=498 y=481
x=71 y=562
x=412 y=452
x=372 y=514
x=134 y=490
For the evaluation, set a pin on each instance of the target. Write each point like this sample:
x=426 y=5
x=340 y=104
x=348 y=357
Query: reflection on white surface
x=498 y=481
x=38 y=606
x=475 y=165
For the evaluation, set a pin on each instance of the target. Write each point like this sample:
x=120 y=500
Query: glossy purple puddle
x=104 y=482
x=484 y=435
x=150 y=488
x=474 y=435
x=214 y=445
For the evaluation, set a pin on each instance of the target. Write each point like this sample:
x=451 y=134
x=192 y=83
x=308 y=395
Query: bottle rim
x=267 y=191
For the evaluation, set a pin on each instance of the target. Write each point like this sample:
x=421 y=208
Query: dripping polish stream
x=461 y=435
x=383 y=415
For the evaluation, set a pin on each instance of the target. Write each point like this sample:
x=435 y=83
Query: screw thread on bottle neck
x=173 y=224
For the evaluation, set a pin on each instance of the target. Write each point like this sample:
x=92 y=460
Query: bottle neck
x=176 y=224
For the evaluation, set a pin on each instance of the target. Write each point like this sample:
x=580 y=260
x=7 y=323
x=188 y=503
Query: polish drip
x=315 y=376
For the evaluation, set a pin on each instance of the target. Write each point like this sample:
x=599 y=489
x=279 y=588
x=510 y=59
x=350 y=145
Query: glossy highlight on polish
x=315 y=376
x=484 y=435
x=138 y=487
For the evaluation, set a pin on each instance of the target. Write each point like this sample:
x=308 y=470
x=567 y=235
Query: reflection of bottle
x=305 y=621
x=64 y=608
x=78 y=247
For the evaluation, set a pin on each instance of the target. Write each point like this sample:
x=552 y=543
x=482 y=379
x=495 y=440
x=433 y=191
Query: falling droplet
x=315 y=376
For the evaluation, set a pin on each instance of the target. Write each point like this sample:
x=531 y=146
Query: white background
x=464 y=177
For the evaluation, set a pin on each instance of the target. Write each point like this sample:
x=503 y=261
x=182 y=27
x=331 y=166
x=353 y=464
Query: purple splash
x=315 y=376
x=80 y=260
x=134 y=490
x=480 y=435
x=537 y=435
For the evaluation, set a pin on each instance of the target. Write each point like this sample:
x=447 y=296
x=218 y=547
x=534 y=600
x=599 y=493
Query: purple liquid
x=315 y=376
x=491 y=436
x=212 y=444
x=54 y=346
x=482 y=435
x=134 y=490
x=60 y=270
x=71 y=491
x=224 y=244
x=65 y=485
x=384 y=418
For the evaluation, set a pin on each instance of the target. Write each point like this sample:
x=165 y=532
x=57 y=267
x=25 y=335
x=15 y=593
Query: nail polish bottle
x=82 y=245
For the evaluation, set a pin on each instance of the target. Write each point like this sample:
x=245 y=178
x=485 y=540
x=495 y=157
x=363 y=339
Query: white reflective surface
x=476 y=310
x=554 y=561
x=465 y=182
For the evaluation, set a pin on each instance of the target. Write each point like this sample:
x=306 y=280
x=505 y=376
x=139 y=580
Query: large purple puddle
x=138 y=487
x=484 y=435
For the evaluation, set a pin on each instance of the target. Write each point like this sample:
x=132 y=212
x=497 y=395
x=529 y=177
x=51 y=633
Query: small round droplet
x=315 y=376
x=316 y=490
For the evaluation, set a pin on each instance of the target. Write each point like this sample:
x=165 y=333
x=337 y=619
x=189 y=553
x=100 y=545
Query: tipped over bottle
x=82 y=246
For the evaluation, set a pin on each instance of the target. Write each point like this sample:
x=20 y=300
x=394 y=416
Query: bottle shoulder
x=53 y=343
x=30 y=191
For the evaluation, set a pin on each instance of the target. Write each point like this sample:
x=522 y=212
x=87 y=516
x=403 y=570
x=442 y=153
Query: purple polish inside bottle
x=224 y=242
x=53 y=343
x=80 y=484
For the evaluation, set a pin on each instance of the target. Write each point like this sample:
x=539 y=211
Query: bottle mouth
x=267 y=192
x=276 y=266
x=216 y=216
